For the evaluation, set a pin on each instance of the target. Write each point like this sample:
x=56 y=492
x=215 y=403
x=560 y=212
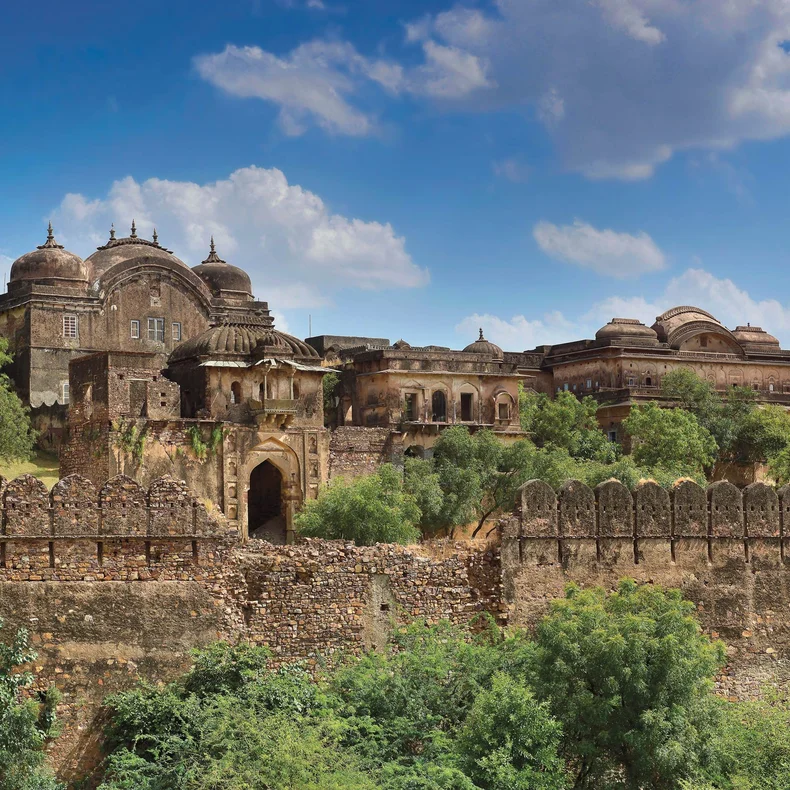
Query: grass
x=42 y=465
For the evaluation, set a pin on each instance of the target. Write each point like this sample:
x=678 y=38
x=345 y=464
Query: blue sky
x=418 y=169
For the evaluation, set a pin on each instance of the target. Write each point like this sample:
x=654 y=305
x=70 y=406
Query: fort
x=119 y=583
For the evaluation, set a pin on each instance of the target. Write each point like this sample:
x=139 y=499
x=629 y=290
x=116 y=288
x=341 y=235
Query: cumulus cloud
x=721 y=297
x=319 y=81
x=293 y=247
x=622 y=85
x=606 y=251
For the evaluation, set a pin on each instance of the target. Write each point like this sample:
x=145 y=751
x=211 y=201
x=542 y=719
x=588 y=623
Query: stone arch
x=124 y=508
x=26 y=502
x=74 y=506
x=439 y=405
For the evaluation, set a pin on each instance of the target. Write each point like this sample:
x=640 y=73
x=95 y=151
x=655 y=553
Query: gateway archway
x=266 y=518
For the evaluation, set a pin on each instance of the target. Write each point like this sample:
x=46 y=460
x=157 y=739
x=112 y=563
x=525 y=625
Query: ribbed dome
x=222 y=278
x=754 y=336
x=625 y=328
x=232 y=339
x=117 y=251
x=483 y=346
x=49 y=264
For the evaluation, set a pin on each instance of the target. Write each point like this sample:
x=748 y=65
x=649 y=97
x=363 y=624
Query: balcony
x=274 y=412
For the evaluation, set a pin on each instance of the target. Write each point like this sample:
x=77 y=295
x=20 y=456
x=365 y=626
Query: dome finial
x=50 y=235
x=50 y=243
x=112 y=231
x=133 y=234
x=213 y=257
x=212 y=243
x=155 y=237
x=481 y=334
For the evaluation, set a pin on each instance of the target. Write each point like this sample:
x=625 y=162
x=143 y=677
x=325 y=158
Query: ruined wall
x=725 y=549
x=356 y=451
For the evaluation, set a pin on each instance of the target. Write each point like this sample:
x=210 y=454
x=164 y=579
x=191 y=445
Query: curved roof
x=626 y=328
x=222 y=278
x=754 y=336
x=483 y=346
x=237 y=339
x=49 y=264
x=117 y=251
x=680 y=323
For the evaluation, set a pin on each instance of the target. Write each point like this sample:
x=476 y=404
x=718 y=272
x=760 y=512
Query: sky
x=416 y=169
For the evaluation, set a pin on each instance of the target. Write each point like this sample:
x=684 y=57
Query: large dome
x=223 y=279
x=117 y=251
x=49 y=264
x=235 y=339
x=626 y=329
x=483 y=346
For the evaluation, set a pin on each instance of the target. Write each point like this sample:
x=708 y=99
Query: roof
x=49 y=262
x=483 y=346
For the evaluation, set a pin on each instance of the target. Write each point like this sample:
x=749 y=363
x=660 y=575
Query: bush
x=368 y=510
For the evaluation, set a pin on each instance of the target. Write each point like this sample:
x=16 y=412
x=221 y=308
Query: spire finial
x=112 y=231
x=50 y=243
x=213 y=257
x=50 y=235
x=481 y=334
x=213 y=249
x=133 y=234
x=155 y=237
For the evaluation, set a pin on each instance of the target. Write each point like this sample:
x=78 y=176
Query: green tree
x=331 y=384
x=670 y=438
x=566 y=422
x=371 y=509
x=25 y=723
x=763 y=433
x=510 y=741
x=17 y=437
x=629 y=677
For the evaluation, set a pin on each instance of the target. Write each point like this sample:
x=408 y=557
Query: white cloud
x=449 y=73
x=512 y=169
x=284 y=236
x=622 y=85
x=721 y=297
x=604 y=251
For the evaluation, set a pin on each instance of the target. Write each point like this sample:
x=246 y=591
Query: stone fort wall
x=120 y=583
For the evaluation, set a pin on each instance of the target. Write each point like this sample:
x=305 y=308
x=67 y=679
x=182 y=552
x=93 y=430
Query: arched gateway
x=266 y=511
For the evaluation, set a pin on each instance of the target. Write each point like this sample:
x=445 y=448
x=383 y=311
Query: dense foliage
x=17 y=437
x=370 y=509
x=25 y=723
x=613 y=691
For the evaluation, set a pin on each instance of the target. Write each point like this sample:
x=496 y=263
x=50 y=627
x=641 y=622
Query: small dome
x=222 y=278
x=754 y=336
x=117 y=251
x=483 y=346
x=49 y=264
x=401 y=344
x=625 y=328
x=234 y=339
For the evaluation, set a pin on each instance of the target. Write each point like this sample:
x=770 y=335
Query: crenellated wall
x=727 y=549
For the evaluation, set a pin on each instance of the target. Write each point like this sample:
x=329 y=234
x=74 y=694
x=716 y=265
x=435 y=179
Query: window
x=631 y=381
x=612 y=436
x=589 y=384
x=176 y=330
x=439 y=406
x=261 y=392
x=649 y=382
x=156 y=329
x=574 y=388
x=69 y=326
x=410 y=406
x=565 y=386
x=504 y=411
x=65 y=392
x=466 y=406
x=235 y=392
x=134 y=330
x=770 y=386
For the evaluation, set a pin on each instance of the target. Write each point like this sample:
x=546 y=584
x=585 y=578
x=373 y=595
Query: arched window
x=296 y=389
x=262 y=392
x=648 y=382
x=439 y=406
x=235 y=392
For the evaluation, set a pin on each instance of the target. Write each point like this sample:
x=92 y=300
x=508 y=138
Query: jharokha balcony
x=278 y=412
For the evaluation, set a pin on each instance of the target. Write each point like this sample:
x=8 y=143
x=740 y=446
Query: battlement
x=721 y=522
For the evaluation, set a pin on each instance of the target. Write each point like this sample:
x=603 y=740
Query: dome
x=49 y=264
x=673 y=321
x=117 y=251
x=236 y=339
x=626 y=329
x=401 y=345
x=483 y=346
x=755 y=336
x=222 y=278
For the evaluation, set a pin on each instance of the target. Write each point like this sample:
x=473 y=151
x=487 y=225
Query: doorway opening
x=265 y=516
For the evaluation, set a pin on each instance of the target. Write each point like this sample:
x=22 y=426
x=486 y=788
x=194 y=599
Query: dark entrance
x=265 y=517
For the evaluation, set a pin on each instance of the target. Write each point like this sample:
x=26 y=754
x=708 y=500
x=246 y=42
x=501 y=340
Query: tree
x=25 y=724
x=566 y=422
x=371 y=509
x=669 y=438
x=510 y=741
x=17 y=437
x=763 y=433
x=330 y=383
x=629 y=676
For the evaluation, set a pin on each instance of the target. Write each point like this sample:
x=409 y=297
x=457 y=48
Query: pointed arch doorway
x=266 y=518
